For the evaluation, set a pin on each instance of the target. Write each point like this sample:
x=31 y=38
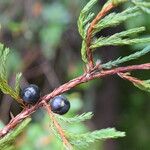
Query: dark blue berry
x=60 y=105
x=30 y=94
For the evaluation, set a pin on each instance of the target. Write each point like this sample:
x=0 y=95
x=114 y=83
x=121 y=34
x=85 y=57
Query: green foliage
x=4 y=86
x=144 y=6
x=8 y=141
x=120 y=60
x=120 y=39
x=84 y=140
x=111 y=20
x=83 y=24
x=17 y=83
x=117 y=2
x=143 y=85
x=83 y=52
x=85 y=17
x=76 y=119
x=81 y=140
x=3 y=54
x=114 y=19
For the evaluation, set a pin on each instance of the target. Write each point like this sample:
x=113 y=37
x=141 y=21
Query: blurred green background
x=45 y=46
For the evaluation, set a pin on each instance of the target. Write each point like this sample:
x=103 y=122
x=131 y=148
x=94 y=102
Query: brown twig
x=58 y=127
x=95 y=73
x=101 y=14
x=15 y=121
x=129 y=78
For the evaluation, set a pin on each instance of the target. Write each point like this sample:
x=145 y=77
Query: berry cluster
x=31 y=95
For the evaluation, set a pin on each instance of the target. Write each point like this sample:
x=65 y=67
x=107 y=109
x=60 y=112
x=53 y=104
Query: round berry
x=60 y=105
x=30 y=94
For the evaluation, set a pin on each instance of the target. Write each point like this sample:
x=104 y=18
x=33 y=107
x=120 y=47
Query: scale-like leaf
x=4 y=86
x=76 y=119
x=3 y=58
x=17 y=83
x=143 y=85
x=85 y=16
x=114 y=19
x=83 y=140
x=144 y=6
x=120 y=60
x=83 y=52
x=121 y=38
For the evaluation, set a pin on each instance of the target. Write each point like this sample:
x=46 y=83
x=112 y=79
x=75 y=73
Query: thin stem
x=102 y=13
x=58 y=127
x=130 y=78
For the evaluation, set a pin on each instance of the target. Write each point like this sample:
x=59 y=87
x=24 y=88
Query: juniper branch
x=87 y=31
x=95 y=73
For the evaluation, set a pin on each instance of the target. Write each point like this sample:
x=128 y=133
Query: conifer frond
x=17 y=83
x=83 y=140
x=118 y=41
x=4 y=86
x=114 y=19
x=86 y=23
x=75 y=119
x=121 y=39
x=111 y=20
x=3 y=58
x=85 y=17
x=144 y=6
x=83 y=52
x=144 y=85
x=120 y=60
